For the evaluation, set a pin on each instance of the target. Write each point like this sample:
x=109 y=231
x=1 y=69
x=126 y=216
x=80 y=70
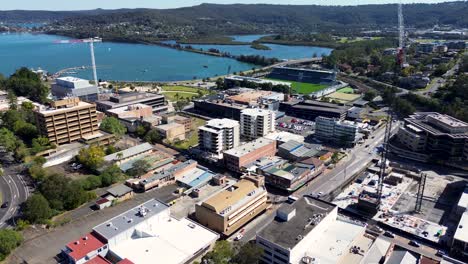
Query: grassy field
x=304 y=88
x=347 y=90
x=183 y=92
x=193 y=135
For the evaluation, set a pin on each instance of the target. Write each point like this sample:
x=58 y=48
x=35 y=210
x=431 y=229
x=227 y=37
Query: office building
x=228 y=210
x=310 y=109
x=336 y=131
x=218 y=135
x=238 y=158
x=74 y=87
x=288 y=176
x=425 y=47
x=309 y=230
x=67 y=121
x=255 y=123
x=459 y=246
x=218 y=108
x=145 y=234
x=131 y=111
x=172 y=131
x=156 y=101
x=437 y=135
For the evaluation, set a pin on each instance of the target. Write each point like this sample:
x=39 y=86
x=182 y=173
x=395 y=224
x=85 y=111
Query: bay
x=128 y=62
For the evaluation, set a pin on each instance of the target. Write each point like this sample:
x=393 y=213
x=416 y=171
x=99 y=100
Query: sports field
x=176 y=93
x=304 y=88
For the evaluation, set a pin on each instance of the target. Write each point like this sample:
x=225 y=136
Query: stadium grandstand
x=303 y=75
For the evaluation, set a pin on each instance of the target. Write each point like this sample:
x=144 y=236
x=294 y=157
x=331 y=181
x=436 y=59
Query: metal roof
x=129 y=152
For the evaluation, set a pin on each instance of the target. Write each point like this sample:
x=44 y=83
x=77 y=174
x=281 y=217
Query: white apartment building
x=219 y=135
x=256 y=123
x=334 y=130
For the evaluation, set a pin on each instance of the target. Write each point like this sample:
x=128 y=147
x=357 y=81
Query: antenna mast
x=401 y=36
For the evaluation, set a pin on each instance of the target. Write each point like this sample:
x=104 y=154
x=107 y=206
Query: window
x=99 y=250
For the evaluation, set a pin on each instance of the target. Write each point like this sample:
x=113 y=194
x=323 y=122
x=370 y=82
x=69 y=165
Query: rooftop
x=119 y=190
x=128 y=108
x=231 y=195
x=249 y=147
x=129 y=152
x=283 y=136
x=288 y=234
x=79 y=105
x=247 y=97
x=129 y=219
x=83 y=246
x=169 y=126
x=170 y=241
x=256 y=112
x=222 y=123
x=462 y=229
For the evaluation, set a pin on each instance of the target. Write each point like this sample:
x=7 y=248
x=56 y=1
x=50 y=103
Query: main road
x=14 y=190
x=356 y=161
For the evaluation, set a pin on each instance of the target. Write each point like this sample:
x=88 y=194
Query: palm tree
x=119 y=156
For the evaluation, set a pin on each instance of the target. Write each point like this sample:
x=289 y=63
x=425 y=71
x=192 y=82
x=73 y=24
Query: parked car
x=240 y=235
x=389 y=234
x=414 y=243
x=5 y=204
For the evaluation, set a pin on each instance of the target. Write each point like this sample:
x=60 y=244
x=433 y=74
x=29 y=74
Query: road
x=357 y=160
x=422 y=249
x=15 y=191
x=439 y=82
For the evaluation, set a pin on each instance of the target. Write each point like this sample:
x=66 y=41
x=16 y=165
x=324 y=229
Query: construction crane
x=383 y=161
x=401 y=57
x=91 y=42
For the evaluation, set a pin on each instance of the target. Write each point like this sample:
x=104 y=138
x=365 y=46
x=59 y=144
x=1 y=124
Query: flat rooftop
x=128 y=108
x=222 y=123
x=285 y=234
x=256 y=112
x=249 y=147
x=129 y=152
x=170 y=241
x=462 y=228
x=79 y=105
x=231 y=195
x=129 y=219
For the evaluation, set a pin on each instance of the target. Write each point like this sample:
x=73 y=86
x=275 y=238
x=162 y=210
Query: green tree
x=248 y=253
x=54 y=188
x=111 y=175
x=9 y=240
x=153 y=136
x=40 y=144
x=370 y=95
x=140 y=131
x=92 y=157
x=36 y=209
x=26 y=83
x=7 y=139
x=221 y=253
x=112 y=125
x=139 y=168
x=74 y=195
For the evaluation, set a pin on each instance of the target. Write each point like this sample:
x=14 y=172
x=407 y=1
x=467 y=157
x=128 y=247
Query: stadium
x=304 y=81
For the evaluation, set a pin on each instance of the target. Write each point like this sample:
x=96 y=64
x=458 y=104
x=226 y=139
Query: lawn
x=193 y=135
x=183 y=91
x=304 y=88
x=347 y=90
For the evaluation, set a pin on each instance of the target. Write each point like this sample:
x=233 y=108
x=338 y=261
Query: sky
x=115 y=4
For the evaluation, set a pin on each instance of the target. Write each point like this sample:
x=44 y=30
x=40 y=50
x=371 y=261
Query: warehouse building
x=238 y=158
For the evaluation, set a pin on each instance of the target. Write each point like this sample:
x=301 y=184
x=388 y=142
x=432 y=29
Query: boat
x=205 y=66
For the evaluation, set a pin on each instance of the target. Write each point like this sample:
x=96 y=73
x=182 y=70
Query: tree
x=111 y=175
x=139 y=168
x=248 y=253
x=92 y=157
x=54 y=189
x=26 y=83
x=370 y=95
x=153 y=136
x=140 y=131
x=7 y=139
x=40 y=144
x=221 y=253
x=36 y=209
x=112 y=125
x=9 y=240
x=75 y=196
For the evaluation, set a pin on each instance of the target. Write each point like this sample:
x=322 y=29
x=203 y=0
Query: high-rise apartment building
x=67 y=121
x=256 y=122
x=219 y=135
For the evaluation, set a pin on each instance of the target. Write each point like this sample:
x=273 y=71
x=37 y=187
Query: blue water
x=131 y=62
x=277 y=51
x=247 y=38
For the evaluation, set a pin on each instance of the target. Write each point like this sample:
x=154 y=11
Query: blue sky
x=114 y=4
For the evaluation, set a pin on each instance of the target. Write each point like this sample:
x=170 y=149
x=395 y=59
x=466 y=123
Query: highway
x=15 y=191
x=356 y=161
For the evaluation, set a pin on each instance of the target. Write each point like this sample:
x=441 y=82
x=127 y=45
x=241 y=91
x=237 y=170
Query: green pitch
x=304 y=88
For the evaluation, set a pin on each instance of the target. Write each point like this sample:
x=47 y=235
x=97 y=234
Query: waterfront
x=131 y=62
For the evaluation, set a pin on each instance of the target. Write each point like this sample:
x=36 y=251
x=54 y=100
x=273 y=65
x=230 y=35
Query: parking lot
x=295 y=125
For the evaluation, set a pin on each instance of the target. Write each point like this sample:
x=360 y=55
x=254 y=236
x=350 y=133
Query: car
x=413 y=243
x=240 y=235
x=366 y=146
x=389 y=234
x=5 y=204
x=440 y=253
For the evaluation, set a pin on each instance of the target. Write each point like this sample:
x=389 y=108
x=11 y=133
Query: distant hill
x=147 y=25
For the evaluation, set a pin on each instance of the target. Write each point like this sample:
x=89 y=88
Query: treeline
x=257 y=60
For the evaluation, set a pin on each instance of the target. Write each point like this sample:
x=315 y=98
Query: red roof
x=125 y=261
x=98 y=260
x=101 y=201
x=81 y=247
